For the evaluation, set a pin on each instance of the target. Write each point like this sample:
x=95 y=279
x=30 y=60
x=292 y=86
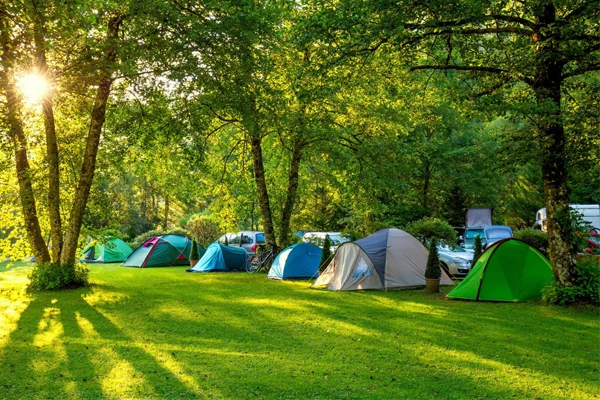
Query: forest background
x=285 y=116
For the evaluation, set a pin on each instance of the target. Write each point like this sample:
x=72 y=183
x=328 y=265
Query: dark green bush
x=326 y=254
x=533 y=237
x=586 y=289
x=427 y=228
x=433 y=269
x=194 y=253
x=50 y=276
x=477 y=248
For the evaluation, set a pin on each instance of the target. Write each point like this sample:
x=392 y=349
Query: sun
x=33 y=87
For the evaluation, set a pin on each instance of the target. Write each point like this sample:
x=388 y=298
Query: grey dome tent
x=388 y=259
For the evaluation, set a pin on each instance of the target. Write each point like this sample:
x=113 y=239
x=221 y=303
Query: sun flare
x=34 y=87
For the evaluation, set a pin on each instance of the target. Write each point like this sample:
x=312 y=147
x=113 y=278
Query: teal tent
x=219 y=257
x=299 y=261
x=112 y=250
x=509 y=270
x=162 y=251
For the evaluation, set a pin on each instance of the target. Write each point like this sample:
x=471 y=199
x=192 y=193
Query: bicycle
x=262 y=260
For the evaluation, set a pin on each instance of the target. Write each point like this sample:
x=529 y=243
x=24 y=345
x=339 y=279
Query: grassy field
x=164 y=333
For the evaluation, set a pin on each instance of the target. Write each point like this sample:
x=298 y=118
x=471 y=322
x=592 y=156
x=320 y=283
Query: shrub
x=194 y=254
x=477 y=248
x=433 y=269
x=203 y=229
x=326 y=254
x=178 y=231
x=51 y=276
x=428 y=228
x=586 y=289
x=533 y=237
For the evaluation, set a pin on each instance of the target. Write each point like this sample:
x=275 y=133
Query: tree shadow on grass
x=64 y=348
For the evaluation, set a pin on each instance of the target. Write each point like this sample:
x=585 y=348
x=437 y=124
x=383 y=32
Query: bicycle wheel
x=252 y=264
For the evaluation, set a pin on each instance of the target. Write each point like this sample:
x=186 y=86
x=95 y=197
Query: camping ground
x=163 y=333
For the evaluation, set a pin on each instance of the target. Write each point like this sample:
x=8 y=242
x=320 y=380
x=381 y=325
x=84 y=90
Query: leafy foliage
x=51 y=276
x=326 y=254
x=533 y=237
x=477 y=247
x=427 y=229
x=194 y=254
x=585 y=290
x=203 y=229
x=433 y=269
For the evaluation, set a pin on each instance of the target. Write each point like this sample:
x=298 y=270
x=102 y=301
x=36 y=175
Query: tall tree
x=80 y=52
x=538 y=45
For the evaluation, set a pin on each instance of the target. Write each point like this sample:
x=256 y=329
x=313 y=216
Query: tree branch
x=460 y=68
x=582 y=70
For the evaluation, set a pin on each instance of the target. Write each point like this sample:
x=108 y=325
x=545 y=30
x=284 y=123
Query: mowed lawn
x=163 y=333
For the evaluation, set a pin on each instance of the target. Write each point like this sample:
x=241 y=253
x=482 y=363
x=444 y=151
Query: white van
x=589 y=212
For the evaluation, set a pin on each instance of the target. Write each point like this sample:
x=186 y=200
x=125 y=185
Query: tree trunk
x=15 y=123
x=547 y=85
x=91 y=149
x=261 y=184
x=292 y=189
x=166 y=222
x=51 y=145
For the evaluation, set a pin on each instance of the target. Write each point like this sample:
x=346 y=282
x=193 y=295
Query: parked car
x=248 y=240
x=318 y=238
x=456 y=261
x=496 y=233
x=469 y=238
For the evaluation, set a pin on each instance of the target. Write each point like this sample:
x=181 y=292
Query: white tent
x=388 y=259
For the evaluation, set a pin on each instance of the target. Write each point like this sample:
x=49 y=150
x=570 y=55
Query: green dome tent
x=162 y=251
x=509 y=270
x=113 y=250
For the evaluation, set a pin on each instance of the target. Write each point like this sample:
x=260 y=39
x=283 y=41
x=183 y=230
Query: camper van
x=589 y=212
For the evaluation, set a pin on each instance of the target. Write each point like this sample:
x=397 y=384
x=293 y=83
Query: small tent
x=388 y=259
x=509 y=270
x=162 y=251
x=112 y=250
x=219 y=257
x=299 y=261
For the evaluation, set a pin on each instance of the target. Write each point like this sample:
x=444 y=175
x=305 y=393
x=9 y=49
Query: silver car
x=455 y=261
x=248 y=240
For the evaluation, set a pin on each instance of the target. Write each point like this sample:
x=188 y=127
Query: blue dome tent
x=219 y=257
x=299 y=261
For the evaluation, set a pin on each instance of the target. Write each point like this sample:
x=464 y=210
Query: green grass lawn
x=164 y=333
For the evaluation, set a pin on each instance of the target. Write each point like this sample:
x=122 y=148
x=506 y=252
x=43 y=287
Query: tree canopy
x=278 y=116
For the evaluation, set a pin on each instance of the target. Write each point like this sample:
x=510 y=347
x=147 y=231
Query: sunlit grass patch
x=163 y=333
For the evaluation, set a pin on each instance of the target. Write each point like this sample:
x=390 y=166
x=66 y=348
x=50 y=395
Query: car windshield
x=497 y=233
x=470 y=234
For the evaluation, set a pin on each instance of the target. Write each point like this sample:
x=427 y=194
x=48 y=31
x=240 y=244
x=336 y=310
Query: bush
x=50 y=276
x=586 y=289
x=326 y=254
x=194 y=254
x=428 y=228
x=203 y=229
x=533 y=237
x=433 y=269
x=477 y=248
